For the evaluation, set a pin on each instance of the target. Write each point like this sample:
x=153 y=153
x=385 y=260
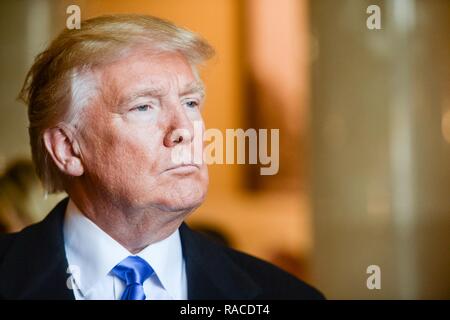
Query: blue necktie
x=133 y=271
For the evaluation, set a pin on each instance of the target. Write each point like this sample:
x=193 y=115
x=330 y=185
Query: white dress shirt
x=91 y=254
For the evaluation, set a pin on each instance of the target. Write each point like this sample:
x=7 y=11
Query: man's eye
x=192 y=104
x=144 y=107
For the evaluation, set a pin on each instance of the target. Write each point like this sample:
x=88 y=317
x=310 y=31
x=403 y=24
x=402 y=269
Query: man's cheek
x=138 y=159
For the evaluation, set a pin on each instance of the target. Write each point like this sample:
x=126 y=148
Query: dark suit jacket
x=33 y=265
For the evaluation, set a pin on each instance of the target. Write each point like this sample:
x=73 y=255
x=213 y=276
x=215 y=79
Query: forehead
x=146 y=70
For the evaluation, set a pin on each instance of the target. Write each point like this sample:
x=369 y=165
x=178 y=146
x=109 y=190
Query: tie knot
x=133 y=270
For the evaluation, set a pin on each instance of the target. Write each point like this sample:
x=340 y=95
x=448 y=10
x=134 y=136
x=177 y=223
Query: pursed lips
x=184 y=167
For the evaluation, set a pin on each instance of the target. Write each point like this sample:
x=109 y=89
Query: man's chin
x=180 y=205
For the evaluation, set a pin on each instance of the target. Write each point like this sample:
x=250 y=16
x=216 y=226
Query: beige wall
x=381 y=164
x=13 y=115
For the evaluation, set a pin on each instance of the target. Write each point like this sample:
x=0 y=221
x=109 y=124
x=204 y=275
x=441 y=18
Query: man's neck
x=133 y=228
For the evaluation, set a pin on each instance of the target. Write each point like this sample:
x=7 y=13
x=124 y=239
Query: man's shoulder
x=274 y=282
x=21 y=240
x=30 y=241
x=273 y=279
x=6 y=240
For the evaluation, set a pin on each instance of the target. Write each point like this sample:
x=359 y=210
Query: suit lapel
x=211 y=272
x=36 y=262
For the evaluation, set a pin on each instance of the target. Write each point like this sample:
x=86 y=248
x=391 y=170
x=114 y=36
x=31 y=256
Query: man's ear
x=59 y=144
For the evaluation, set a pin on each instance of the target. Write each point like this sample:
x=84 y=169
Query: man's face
x=130 y=132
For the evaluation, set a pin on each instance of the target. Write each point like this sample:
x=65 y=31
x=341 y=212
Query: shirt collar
x=92 y=253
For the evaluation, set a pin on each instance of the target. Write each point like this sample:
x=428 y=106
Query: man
x=109 y=105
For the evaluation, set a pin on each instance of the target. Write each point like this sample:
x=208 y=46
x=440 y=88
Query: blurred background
x=364 y=119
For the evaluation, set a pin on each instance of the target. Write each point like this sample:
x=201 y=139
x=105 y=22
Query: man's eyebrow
x=149 y=92
x=194 y=87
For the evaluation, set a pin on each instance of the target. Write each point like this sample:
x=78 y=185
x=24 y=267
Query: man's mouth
x=183 y=168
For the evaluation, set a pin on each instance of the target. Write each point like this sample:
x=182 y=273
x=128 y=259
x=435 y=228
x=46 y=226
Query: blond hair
x=73 y=54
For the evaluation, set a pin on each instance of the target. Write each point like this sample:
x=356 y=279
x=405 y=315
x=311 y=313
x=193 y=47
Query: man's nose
x=180 y=129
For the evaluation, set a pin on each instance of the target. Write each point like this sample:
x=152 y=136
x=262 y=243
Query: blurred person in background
x=109 y=104
x=21 y=197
